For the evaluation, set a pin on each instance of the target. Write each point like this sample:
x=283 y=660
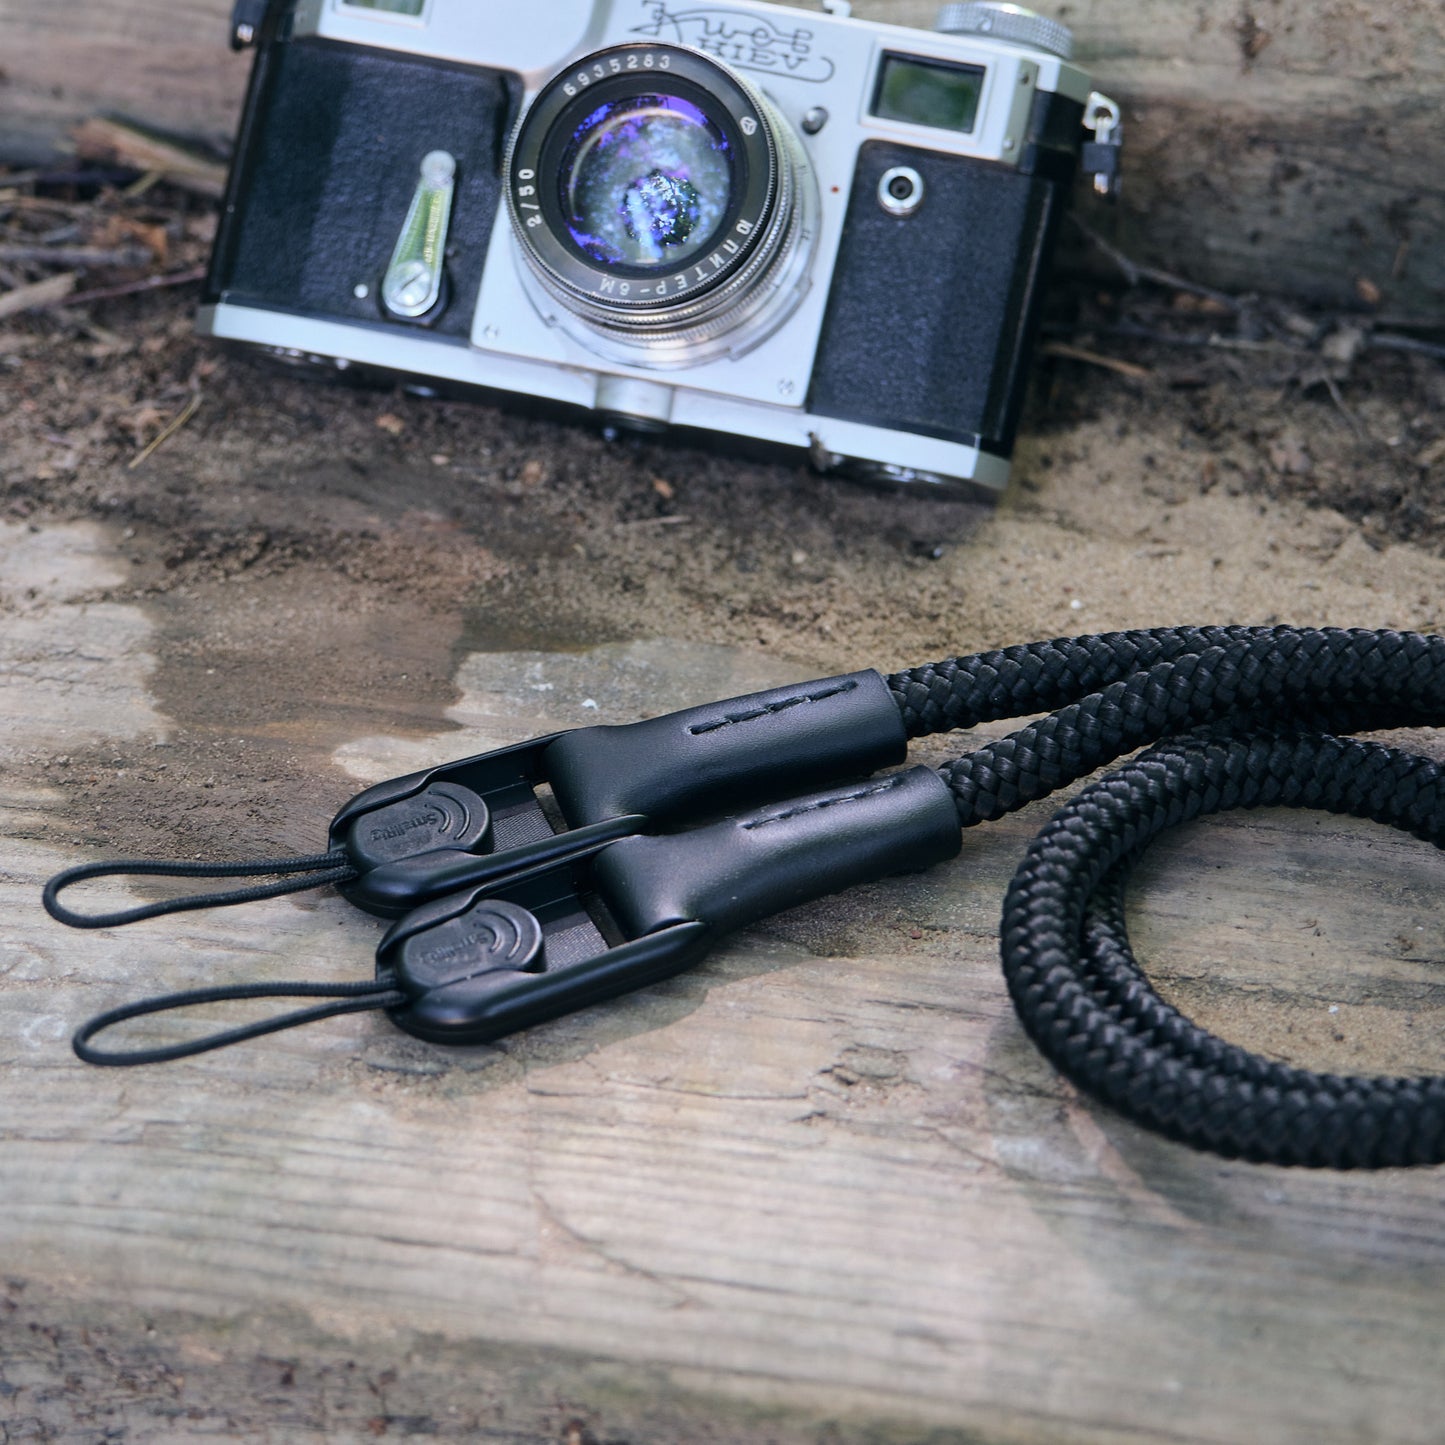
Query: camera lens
x=646 y=181
x=659 y=202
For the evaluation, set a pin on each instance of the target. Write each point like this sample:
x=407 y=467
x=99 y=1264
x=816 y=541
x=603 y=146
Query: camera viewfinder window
x=389 y=7
x=928 y=92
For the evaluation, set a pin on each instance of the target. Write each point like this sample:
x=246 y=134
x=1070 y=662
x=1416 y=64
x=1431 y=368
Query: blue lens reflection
x=646 y=181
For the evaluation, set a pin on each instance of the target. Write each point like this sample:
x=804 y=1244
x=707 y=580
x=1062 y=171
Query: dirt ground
x=304 y=548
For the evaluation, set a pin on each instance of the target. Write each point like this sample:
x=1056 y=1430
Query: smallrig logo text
x=750 y=42
x=430 y=818
x=481 y=936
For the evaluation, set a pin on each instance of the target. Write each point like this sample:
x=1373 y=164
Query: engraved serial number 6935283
x=648 y=60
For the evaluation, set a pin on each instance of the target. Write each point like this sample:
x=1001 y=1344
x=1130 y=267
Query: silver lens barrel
x=662 y=202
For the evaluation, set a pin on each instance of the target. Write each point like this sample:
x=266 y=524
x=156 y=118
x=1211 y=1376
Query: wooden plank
x=1296 y=150
x=165 y=64
x=819 y=1191
x=821 y=1188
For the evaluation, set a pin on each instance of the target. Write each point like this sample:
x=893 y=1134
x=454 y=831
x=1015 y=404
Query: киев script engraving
x=742 y=40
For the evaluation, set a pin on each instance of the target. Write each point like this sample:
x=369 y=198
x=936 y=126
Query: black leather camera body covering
x=326 y=162
x=931 y=317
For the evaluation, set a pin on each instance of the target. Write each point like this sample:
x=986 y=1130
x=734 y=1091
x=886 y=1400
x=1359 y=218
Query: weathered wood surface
x=819 y=1190
x=1290 y=146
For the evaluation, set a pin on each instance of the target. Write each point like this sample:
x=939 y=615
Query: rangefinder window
x=928 y=92
x=410 y=8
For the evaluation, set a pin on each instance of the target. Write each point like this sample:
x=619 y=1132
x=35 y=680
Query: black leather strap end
x=742 y=869
x=689 y=764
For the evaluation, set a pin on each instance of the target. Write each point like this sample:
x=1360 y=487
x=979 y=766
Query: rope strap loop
x=1086 y=1003
x=1239 y=717
x=320 y=868
x=350 y=998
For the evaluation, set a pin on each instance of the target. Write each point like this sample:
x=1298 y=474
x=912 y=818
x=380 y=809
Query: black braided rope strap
x=1084 y=1000
x=1263 y=695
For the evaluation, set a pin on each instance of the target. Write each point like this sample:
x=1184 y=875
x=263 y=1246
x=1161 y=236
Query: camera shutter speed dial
x=1011 y=23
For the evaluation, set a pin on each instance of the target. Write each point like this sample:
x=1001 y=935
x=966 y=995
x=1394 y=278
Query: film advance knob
x=1011 y=23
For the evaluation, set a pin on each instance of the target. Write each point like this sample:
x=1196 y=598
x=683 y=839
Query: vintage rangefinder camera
x=738 y=219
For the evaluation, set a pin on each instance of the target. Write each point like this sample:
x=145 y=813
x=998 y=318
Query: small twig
x=1094 y=358
x=668 y=521
x=106 y=338
x=137 y=189
x=1333 y=387
x=81 y=257
x=1212 y=342
x=38 y=295
x=1134 y=272
x=1381 y=340
x=1395 y=322
x=1384 y=341
x=130 y=288
x=92 y=176
x=191 y=408
x=1256 y=348
x=103 y=138
x=18 y=202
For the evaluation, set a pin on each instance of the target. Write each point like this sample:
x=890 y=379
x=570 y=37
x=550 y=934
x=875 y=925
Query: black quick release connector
x=493 y=959
x=513 y=911
x=464 y=824
x=608 y=917
x=479 y=820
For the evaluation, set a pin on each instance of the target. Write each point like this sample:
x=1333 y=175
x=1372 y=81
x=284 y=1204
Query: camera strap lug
x=489 y=961
x=1100 y=157
x=247 y=17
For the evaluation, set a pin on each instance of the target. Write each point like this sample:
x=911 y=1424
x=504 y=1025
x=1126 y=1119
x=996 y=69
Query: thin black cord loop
x=323 y=867
x=352 y=998
x=1268 y=701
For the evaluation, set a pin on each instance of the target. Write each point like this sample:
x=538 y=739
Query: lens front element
x=656 y=198
x=646 y=181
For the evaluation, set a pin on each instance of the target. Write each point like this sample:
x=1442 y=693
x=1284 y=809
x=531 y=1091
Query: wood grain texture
x=1286 y=146
x=165 y=64
x=821 y=1189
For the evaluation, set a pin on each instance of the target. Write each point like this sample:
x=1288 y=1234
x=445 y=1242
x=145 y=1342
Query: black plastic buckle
x=622 y=914
x=480 y=820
